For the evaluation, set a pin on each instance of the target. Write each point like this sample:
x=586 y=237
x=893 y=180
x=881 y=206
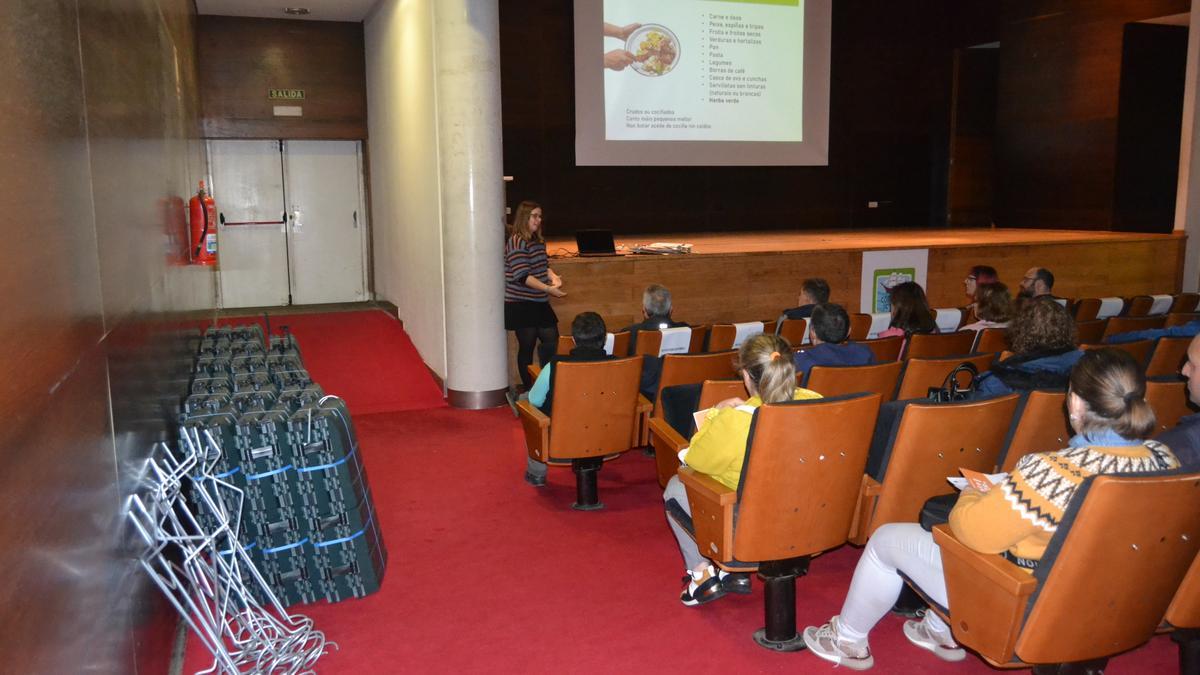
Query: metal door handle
x=355 y=215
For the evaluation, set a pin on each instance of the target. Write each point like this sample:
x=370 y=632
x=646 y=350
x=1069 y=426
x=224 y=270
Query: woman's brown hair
x=910 y=309
x=1042 y=324
x=993 y=302
x=520 y=226
x=768 y=360
x=1113 y=386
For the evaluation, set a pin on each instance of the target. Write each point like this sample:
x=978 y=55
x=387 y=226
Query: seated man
x=656 y=315
x=830 y=326
x=1184 y=438
x=589 y=332
x=1038 y=281
x=813 y=292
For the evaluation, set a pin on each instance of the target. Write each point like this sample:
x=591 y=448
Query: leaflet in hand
x=699 y=416
x=980 y=482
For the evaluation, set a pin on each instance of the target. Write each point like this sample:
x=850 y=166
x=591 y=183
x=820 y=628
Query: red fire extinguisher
x=202 y=248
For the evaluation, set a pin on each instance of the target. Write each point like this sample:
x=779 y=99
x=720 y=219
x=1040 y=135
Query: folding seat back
x=714 y=391
x=794 y=331
x=1139 y=305
x=1110 y=307
x=1086 y=309
x=1105 y=582
x=650 y=342
x=921 y=374
x=1091 y=332
x=931 y=441
x=1184 y=303
x=1039 y=425
x=948 y=319
x=1161 y=304
x=667 y=440
x=1168 y=356
x=991 y=340
x=1139 y=350
x=860 y=326
x=693 y=369
x=1169 y=399
x=830 y=381
x=1180 y=319
x=699 y=338
x=725 y=336
x=1125 y=324
x=885 y=349
x=936 y=345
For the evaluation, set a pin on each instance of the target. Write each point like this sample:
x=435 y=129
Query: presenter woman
x=528 y=284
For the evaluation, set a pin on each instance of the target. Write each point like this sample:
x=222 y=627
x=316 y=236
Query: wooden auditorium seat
x=1168 y=356
x=1183 y=615
x=699 y=338
x=1185 y=303
x=1161 y=304
x=860 y=326
x=794 y=330
x=1086 y=309
x=1102 y=587
x=1110 y=307
x=921 y=374
x=1039 y=425
x=688 y=369
x=1169 y=399
x=796 y=498
x=667 y=441
x=723 y=336
x=930 y=442
x=620 y=344
x=1181 y=319
x=991 y=340
x=885 y=349
x=830 y=381
x=936 y=345
x=565 y=344
x=1125 y=324
x=596 y=413
x=1139 y=350
x=1138 y=305
x=948 y=319
x=1091 y=332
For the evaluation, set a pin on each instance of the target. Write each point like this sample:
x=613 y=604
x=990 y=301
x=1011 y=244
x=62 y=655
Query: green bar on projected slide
x=788 y=3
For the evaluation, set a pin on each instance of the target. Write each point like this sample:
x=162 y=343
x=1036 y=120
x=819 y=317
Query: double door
x=291 y=226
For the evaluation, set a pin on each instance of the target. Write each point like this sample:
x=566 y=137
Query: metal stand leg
x=586 y=490
x=779 y=604
x=1093 y=667
x=1189 y=650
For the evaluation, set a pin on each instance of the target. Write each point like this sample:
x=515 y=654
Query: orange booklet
x=981 y=482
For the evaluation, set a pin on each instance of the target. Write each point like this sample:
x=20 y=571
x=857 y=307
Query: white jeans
x=893 y=548
x=687 y=545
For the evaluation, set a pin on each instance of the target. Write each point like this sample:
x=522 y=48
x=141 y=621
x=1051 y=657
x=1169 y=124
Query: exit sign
x=286 y=94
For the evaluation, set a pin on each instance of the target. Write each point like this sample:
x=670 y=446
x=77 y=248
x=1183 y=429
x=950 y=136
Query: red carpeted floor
x=487 y=574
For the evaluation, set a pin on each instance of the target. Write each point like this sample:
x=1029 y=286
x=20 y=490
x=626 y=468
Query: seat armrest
x=987 y=596
x=642 y=429
x=711 y=505
x=666 y=443
x=868 y=497
x=537 y=430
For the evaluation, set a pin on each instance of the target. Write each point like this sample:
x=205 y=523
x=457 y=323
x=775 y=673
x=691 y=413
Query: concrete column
x=467 y=46
x=1187 y=195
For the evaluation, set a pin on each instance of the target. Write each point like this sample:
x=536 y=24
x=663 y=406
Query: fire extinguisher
x=202 y=247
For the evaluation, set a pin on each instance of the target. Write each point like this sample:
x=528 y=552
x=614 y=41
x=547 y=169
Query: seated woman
x=993 y=307
x=977 y=276
x=1016 y=518
x=1043 y=341
x=719 y=447
x=910 y=311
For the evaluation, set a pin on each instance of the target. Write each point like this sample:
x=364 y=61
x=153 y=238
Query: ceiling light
x=295 y=11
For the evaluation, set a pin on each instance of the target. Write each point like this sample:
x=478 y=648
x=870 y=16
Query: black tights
x=526 y=338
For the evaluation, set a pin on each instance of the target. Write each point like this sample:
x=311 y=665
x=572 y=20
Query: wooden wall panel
x=241 y=59
x=1060 y=68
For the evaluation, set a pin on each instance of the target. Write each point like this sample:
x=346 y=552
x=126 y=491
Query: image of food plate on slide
x=655 y=50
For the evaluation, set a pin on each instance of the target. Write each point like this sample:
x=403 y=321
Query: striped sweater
x=1020 y=515
x=523 y=259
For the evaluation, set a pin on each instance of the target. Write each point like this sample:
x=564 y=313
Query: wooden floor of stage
x=710 y=243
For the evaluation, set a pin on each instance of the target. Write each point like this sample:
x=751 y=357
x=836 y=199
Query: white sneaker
x=943 y=646
x=825 y=643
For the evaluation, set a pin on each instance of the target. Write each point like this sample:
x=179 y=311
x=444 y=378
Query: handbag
x=950 y=390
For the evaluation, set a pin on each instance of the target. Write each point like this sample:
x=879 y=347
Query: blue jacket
x=1027 y=372
x=1184 y=440
x=829 y=354
x=1189 y=329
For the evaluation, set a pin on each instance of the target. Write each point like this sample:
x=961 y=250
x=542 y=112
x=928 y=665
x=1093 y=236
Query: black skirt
x=528 y=314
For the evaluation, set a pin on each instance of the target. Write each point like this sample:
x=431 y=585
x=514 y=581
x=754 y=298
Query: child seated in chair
x=1016 y=518
x=589 y=332
x=718 y=449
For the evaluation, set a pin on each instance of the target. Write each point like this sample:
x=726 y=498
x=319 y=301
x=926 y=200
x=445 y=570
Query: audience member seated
x=1038 y=281
x=1044 y=345
x=1016 y=519
x=656 y=315
x=813 y=292
x=993 y=307
x=718 y=449
x=589 y=332
x=976 y=276
x=1184 y=438
x=830 y=326
x=910 y=311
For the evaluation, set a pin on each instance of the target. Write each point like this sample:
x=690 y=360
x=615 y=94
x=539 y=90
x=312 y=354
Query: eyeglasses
x=971 y=277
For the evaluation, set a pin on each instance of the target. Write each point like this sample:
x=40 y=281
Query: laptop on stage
x=595 y=242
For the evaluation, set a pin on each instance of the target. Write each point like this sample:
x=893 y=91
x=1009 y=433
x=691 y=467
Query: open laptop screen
x=595 y=242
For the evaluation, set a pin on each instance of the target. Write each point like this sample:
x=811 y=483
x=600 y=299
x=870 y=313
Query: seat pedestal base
x=586 y=490
x=779 y=604
x=1189 y=649
x=1093 y=667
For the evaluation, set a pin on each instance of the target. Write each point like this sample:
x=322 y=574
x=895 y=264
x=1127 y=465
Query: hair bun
x=1132 y=396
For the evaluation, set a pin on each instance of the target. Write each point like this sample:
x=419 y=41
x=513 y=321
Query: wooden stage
x=754 y=275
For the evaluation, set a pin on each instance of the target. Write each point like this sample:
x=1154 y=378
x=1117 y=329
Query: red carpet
x=487 y=574
x=364 y=357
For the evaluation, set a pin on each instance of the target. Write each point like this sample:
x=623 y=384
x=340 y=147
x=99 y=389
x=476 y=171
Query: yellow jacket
x=719 y=446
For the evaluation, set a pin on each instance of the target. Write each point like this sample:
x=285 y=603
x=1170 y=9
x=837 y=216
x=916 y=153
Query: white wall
x=405 y=189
